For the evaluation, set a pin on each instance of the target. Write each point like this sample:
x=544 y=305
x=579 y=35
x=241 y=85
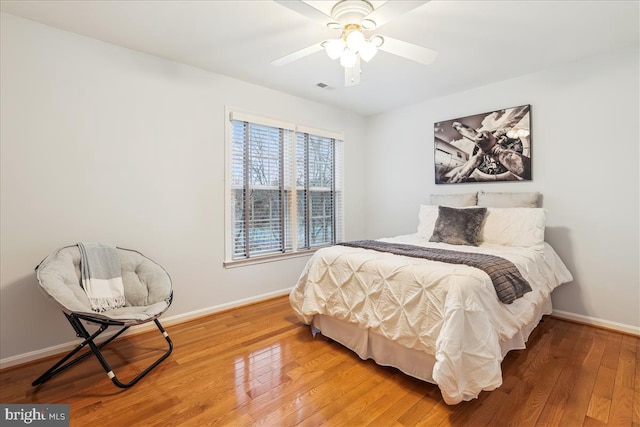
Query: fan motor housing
x=351 y=11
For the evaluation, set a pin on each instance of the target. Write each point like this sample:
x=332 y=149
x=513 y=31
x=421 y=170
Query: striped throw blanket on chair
x=101 y=276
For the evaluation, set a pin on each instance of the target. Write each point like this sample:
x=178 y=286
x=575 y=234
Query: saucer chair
x=148 y=293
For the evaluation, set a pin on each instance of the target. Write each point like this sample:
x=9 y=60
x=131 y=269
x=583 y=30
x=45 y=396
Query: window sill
x=269 y=258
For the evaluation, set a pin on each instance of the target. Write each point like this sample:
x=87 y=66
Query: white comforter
x=450 y=311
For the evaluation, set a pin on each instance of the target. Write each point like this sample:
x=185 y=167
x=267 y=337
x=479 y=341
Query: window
x=284 y=186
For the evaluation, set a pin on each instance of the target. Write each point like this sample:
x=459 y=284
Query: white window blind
x=285 y=188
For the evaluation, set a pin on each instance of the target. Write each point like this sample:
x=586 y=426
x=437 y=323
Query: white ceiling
x=479 y=42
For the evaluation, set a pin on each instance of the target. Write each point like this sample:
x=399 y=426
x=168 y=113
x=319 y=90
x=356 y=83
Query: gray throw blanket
x=101 y=276
x=507 y=280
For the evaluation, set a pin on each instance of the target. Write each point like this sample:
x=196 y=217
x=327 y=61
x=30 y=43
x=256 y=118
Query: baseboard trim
x=599 y=323
x=192 y=315
x=32 y=356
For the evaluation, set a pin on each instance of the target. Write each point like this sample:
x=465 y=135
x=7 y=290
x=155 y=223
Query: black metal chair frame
x=94 y=348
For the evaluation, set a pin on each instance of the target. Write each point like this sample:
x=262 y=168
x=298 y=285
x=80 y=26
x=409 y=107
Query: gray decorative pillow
x=458 y=226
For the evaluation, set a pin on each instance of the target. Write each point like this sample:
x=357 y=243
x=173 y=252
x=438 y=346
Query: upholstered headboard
x=489 y=199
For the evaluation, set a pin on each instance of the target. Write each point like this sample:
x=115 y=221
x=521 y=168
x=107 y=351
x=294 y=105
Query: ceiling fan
x=353 y=18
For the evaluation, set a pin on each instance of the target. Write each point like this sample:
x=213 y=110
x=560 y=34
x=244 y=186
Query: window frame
x=234 y=114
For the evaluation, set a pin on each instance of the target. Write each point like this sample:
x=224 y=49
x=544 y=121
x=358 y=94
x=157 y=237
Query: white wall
x=101 y=143
x=585 y=137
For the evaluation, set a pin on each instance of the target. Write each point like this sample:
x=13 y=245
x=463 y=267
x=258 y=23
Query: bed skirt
x=370 y=345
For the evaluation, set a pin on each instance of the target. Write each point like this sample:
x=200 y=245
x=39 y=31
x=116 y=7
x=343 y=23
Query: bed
x=440 y=322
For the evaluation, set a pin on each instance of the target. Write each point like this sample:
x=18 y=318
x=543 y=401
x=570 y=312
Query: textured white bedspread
x=450 y=311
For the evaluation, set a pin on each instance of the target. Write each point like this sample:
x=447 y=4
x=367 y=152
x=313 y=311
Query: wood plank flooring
x=258 y=365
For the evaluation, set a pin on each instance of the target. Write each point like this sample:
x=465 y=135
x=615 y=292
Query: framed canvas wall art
x=493 y=146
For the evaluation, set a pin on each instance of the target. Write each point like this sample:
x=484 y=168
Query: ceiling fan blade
x=408 y=50
x=298 y=54
x=391 y=9
x=306 y=10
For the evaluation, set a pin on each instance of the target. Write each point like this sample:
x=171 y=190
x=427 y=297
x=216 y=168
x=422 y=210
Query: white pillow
x=427 y=217
x=454 y=200
x=513 y=226
x=509 y=200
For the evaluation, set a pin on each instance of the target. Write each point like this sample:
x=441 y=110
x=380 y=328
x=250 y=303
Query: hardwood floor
x=258 y=365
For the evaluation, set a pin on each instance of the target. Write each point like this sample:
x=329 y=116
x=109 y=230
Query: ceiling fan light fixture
x=334 y=48
x=368 y=51
x=355 y=40
x=348 y=58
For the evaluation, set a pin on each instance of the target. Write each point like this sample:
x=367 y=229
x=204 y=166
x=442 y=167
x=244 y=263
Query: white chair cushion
x=147 y=286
